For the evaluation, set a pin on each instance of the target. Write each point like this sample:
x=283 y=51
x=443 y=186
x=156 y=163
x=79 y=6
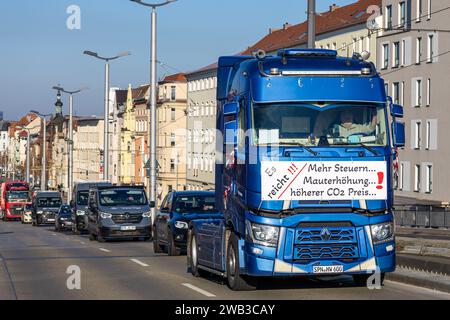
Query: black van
x=118 y=212
x=79 y=204
x=45 y=205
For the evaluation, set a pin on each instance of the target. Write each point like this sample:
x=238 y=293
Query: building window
x=418 y=100
x=419 y=50
x=428 y=92
x=396 y=61
x=172 y=165
x=403 y=49
x=173 y=114
x=417 y=178
x=417 y=134
x=402 y=93
x=428 y=135
x=429 y=10
x=430 y=57
x=419 y=10
x=396 y=92
x=389 y=17
x=385 y=56
x=429 y=178
x=173 y=93
x=402 y=14
x=386 y=88
x=172 y=139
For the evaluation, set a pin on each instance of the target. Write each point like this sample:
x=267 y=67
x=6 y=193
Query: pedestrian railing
x=422 y=216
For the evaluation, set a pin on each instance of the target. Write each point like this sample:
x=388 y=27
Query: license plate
x=328 y=269
x=127 y=228
x=50 y=219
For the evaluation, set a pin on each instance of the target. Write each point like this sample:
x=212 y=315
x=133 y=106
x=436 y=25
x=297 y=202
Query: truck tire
x=75 y=229
x=236 y=281
x=172 y=249
x=192 y=255
x=156 y=246
x=92 y=237
x=360 y=280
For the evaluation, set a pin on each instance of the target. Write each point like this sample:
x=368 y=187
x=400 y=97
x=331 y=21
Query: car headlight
x=63 y=219
x=105 y=215
x=147 y=214
x=181 y=225
x=262 y=234
x=81 y=212
x=40 y=212
x=382 y=232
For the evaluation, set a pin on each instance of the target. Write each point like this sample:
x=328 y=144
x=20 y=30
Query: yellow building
x=127 y=140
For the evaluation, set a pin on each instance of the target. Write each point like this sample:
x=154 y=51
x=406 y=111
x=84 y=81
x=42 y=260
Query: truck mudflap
x=304 y=251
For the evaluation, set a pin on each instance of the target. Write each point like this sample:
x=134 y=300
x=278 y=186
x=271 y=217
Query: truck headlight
x=81 y=212
x=181 y=225
x=262 y=234
x=147 y=214
x=105 y=215
x=382 y=232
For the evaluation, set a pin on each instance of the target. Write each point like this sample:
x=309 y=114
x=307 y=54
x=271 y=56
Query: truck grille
x=16 y=210
x=326 y=242
x=335 y=251
x=127 y=218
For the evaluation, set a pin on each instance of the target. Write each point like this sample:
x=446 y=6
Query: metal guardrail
x=422 y=216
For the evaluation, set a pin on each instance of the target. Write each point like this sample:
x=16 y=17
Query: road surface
x=34 y=261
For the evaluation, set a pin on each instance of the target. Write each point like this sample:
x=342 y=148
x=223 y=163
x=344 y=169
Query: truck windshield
x=320 y=125
x=82 y=198
x=194 y=204
x=122 y=197
x=16 y=196
x=50 y=202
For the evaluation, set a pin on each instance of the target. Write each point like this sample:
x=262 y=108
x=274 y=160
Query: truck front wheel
x=192 y=255
x=236 y=281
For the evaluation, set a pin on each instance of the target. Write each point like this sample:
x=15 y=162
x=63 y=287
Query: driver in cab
x=347 y=127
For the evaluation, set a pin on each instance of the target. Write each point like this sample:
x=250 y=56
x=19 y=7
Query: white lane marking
x=82 y=242
x=53 y=234
x=139 y=262
x=435 y=291
x=104 y=250
x=203 y=292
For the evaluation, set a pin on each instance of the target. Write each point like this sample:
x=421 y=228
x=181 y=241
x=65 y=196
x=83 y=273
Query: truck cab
x=15 y=196
x=305 y=180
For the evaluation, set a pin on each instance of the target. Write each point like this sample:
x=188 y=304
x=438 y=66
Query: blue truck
x=305 y=176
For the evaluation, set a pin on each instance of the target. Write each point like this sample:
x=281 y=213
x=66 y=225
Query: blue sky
x=38 y=51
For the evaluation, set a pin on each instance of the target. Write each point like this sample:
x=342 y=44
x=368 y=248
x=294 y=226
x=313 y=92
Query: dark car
x=172 y=220
x=63 y=219
x=45 y=206
x=118 y=212
x=79 y=204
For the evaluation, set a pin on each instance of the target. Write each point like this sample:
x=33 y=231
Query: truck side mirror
x=398 y=134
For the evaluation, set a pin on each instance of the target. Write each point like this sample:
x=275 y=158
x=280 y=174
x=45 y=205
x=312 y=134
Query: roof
x=139 y=94
x=178 y=77
x=296 y=35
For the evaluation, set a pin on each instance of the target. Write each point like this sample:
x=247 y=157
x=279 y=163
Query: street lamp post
x=152 y=115
x=44 y=149
x=106 y=111
x=70 y=138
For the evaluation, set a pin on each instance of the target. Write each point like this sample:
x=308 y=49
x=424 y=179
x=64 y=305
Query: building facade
x=414 y=60
x=171 y=134
x=201 y=128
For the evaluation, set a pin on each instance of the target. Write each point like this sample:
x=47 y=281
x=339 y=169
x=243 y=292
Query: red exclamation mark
x=380 y=180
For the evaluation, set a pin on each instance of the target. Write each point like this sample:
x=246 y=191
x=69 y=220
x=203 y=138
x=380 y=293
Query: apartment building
x=141 y=134
x=201 y=128
x=414 y=60
x=88 y=149
x=171 y=134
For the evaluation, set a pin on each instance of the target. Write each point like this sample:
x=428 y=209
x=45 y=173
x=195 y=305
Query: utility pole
x=311 y=24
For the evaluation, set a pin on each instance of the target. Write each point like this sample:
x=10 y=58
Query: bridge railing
x=422 y=216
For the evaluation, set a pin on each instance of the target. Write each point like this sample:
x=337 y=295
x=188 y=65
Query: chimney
x=286 y=26
x=333 y=7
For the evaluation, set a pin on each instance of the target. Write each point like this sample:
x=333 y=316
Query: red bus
x=15 y=195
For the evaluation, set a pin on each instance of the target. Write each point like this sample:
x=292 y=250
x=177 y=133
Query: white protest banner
x=323 y=180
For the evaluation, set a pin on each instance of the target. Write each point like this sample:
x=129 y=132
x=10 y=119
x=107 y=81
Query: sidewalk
x=423 y=258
